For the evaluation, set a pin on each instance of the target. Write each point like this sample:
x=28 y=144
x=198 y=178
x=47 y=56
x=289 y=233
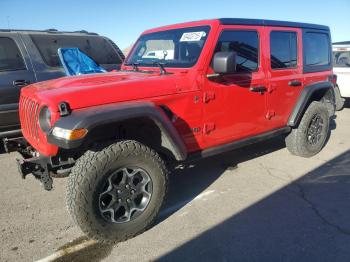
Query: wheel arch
x=118 y=121
x=320 y=91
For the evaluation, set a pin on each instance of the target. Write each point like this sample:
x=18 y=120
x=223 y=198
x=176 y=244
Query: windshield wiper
x=161 y=67
x=135 y=66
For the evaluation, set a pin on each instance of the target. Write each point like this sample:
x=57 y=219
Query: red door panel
x=231 y=110
x=285 y=80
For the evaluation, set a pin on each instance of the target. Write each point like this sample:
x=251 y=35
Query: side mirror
x=224 y=62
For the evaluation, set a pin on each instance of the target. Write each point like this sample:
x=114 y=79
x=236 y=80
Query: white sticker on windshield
x=192 y=36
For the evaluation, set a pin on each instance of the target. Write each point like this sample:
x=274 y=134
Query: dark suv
x=188 y=90
x=31 y=56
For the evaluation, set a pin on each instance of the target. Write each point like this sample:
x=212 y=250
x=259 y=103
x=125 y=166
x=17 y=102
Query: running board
x=240 y=143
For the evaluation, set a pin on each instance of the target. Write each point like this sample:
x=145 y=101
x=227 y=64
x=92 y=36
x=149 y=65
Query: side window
x=10 y=56
x=316 y=49
x=283 y=49
x=246 y=46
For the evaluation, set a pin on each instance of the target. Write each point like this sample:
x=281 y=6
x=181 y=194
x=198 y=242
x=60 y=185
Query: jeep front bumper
x=38 y=167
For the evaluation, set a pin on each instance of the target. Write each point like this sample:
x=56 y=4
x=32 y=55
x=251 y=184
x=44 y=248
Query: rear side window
x=10 y=56
x=98 y=48
x=283 y=50
x=317 y=56
x=246 y=46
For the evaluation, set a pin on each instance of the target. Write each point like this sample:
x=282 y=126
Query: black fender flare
x=304 y=100
x=90 y=118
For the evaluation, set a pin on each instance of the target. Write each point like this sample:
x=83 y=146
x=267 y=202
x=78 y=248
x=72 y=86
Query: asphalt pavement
x=254 y=204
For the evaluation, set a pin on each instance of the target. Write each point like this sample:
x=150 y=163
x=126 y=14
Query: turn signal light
x=69 y=134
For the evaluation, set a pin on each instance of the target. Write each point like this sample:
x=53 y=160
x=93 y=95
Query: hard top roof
x=264 y=22
x=238 y=21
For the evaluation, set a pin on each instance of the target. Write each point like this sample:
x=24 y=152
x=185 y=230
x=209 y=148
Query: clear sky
x=123 y=21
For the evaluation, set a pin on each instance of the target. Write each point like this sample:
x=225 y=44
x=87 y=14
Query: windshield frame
x=129 y=61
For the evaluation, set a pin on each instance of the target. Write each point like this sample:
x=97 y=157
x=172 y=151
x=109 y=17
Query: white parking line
x=85 y=244
x=67 y=251
x=204 y=194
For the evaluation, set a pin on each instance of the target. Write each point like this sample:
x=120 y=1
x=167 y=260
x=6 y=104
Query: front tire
x=114 y=193
x=311 y=135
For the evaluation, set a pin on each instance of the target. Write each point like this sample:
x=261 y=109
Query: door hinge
x=270 y=114
x=209 y=95
x=208 y=128
x=271 y=89
x=196 y=129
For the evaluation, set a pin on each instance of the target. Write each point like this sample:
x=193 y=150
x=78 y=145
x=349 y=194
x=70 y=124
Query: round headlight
x=45 y=119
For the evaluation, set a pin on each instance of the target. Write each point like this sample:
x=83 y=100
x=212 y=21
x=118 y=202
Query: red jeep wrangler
x=191 y=89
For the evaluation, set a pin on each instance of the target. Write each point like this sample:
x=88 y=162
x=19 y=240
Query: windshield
x=172 y=48
x=341 y=59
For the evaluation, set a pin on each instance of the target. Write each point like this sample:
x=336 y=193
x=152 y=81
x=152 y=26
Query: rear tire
x=311 y=135
x=103 y=198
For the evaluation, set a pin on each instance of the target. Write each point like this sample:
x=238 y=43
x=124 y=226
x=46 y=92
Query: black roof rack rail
x=263 y=22
x=50 y=30
x=81 y=31
x=85 y=32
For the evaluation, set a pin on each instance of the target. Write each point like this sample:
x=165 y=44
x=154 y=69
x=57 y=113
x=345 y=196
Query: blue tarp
x=76 y=62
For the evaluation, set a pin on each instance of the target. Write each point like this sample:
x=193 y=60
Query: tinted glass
x=173 y=48
x=98 y=48
x=341 y=59
x=283 y=48
x=246 y=46
x=316 y=49
x=10 y=56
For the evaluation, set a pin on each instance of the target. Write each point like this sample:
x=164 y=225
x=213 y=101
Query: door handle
x=259 y=89
x=20 y=83
x=294 y=83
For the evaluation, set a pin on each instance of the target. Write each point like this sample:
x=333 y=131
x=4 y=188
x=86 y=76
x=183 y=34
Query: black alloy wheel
x=125 y=195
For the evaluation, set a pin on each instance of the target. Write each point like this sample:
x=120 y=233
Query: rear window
x=316 y=49
x=98 y=48
x=10 y=56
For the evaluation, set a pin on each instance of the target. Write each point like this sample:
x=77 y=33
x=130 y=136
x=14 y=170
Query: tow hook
x=38 y=168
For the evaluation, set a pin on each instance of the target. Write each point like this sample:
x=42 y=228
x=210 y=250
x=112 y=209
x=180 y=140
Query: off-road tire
x=297 y=140
x=92 y=169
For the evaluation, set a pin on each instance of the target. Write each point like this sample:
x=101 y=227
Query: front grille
x=29 y=115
